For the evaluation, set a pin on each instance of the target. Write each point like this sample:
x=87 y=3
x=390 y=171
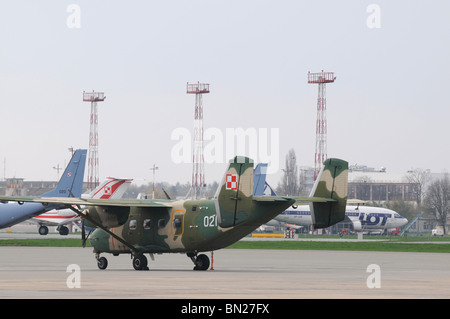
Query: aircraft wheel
x=63 y=231
x=43 y=230
x=201 y=262
x=140 y=262
x=102 y=263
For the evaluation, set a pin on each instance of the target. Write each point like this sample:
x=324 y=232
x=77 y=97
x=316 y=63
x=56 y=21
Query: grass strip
x=278 y=244
x=352 y=246
x=45 y=242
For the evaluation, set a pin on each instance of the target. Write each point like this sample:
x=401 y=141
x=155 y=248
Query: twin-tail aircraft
x=69 y=185
x=139 y=226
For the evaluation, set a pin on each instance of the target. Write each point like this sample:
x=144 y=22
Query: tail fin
x=260 y=184
x=259 y=179
x=111 y=188
x=71 y=182
x=234 y=196
x=330 y=184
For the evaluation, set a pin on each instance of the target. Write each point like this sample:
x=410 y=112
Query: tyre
x=140 y=262
x=43 y=230
x=102 y=263
x=202 y=262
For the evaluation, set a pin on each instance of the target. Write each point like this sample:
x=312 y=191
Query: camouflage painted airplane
x=139 y=226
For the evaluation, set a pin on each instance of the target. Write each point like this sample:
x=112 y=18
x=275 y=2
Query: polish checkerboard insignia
x=107 y=190
x=231 y=181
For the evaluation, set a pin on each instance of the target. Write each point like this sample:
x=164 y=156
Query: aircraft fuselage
x=188 y=226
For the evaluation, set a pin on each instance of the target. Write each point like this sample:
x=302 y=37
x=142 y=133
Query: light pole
x=154 y=168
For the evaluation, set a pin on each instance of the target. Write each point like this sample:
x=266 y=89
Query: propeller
x=84 y=238
x=83 y=230
x=83 y=233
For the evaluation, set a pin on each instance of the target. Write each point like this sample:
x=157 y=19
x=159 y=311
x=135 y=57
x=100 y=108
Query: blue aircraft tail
x=71 y=182
x=259 y=181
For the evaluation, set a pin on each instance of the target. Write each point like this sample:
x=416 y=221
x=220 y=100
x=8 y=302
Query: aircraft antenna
x=198 y=171
x=93 y=178
x=321 y=79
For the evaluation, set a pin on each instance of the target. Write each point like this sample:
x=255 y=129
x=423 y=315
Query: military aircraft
x=139 y=226
x=70 y=184
x=110 y=188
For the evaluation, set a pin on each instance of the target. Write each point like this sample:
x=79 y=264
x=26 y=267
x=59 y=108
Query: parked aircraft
x=139 y=226
x=111 y=188
x=70 y=185
x=363 y=218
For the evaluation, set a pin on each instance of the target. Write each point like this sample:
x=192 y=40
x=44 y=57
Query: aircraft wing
x=298 y=200
x=89 y=201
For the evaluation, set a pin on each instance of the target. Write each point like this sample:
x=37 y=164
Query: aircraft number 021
x=210 y=221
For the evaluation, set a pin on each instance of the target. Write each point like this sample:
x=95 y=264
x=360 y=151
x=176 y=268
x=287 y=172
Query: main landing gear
x=140 y=262
x=63 y=230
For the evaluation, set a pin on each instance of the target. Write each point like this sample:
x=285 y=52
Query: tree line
x=431 y=197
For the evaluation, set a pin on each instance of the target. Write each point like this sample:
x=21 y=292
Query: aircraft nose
x=99 y=239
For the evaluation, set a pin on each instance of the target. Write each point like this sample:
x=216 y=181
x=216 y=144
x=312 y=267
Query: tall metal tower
x=198 y=171
x=93 y=97
x=321 y=78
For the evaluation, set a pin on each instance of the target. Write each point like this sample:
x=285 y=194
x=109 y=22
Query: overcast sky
x=388 y=107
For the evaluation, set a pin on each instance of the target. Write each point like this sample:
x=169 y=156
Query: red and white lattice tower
x=93 y=97
x=321 y=79
x=198 y=171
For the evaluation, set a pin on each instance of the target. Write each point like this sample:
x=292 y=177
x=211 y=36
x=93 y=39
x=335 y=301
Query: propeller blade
x=83 y=233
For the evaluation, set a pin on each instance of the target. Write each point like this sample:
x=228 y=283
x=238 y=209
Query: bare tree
x=419 y=177
x=289 y=183
x=437 y=200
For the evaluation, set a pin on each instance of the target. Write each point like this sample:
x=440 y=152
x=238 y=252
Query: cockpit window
x=133 y=224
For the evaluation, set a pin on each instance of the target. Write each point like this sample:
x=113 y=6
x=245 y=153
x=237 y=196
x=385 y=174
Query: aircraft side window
x=177 y=222
x=133 y=224
x=147 y=223
x=162 y=223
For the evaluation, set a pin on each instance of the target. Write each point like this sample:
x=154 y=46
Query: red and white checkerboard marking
x=108 y=190
x=231 y=181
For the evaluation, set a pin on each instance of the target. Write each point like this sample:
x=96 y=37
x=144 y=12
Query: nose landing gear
x=201 y=261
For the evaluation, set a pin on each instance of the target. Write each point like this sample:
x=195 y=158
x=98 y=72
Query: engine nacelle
x=357 y=225
x=107 y=216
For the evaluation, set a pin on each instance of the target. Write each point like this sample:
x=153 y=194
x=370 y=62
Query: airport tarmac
x=42 y=272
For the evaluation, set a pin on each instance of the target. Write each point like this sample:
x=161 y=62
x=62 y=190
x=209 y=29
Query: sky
x=388 y=107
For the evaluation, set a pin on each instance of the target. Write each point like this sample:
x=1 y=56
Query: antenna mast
x=198 y=171
x=321 y=79
x=93 y=178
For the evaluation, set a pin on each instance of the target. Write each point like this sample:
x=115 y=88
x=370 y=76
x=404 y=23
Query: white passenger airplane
x=363 y=218
x=111 y=188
